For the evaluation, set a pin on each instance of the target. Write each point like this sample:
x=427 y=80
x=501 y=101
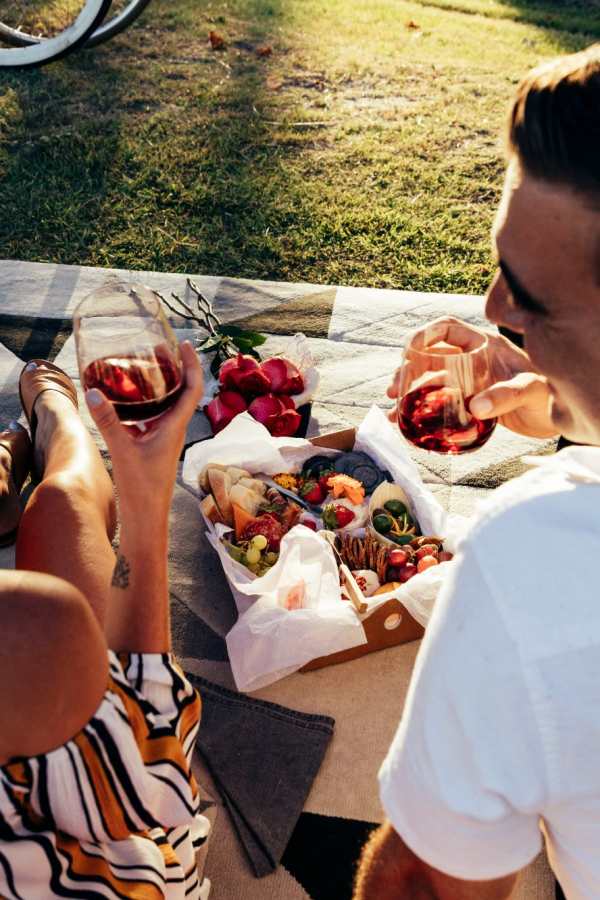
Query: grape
x=252 y=555
x=259 y=541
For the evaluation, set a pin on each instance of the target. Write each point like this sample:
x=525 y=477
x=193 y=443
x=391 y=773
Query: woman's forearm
x=138 y=611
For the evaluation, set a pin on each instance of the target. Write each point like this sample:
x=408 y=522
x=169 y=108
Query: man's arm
x=389 y=870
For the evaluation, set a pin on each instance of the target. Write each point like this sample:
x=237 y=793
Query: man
x=499 y=744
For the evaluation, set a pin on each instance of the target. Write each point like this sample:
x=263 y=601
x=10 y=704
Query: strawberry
x=311 y=492
x=337 y=516
x=323 y=480
x=343 y=515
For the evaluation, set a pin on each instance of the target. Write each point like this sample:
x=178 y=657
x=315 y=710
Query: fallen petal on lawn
x=217 y=42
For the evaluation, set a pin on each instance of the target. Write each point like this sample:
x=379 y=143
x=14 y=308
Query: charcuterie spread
x=377 y=535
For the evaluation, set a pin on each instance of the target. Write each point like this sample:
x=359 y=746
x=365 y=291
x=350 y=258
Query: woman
x=97 y=799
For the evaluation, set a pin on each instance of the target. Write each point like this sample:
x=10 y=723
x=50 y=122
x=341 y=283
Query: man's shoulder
x=558 y=493
x=535 y=546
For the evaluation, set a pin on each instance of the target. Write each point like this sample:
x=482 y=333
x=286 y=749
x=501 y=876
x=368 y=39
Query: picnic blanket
x=355 y=336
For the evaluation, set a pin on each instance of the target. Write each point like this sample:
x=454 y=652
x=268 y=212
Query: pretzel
x=363 y=553
x=381 y=564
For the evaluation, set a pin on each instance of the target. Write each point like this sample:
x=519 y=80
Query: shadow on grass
x=574 y=17
x=239 y=181
x=205 y=182
x=154 y=152
x=576 y=23
x=58 y=141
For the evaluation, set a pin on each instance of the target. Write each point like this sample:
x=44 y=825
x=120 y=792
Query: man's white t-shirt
x=500 y=736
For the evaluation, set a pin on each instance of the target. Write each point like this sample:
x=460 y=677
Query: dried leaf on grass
x=412 y=25
x=264 y=50
x=217 y=41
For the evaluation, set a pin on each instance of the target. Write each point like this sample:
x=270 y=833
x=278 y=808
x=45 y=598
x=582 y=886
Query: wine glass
x=442 y=369
x=127 y=349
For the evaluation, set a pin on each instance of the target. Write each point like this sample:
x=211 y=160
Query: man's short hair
x=554 y=125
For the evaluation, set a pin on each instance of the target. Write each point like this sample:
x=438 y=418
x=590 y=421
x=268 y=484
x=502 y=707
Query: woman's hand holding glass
x=145 y=463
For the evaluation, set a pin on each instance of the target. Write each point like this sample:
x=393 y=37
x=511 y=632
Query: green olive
x=396 y=507
x=382 y=523
x=400 y=538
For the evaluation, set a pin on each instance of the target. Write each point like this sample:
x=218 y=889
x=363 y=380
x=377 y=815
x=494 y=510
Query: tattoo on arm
x=120 y=576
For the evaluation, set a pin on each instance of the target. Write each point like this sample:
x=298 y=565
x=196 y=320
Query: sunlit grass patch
x=327 y=140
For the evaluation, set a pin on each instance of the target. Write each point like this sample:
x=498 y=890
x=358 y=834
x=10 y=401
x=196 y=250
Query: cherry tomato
x=426 y=562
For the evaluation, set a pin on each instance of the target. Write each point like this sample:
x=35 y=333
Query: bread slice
x=245 y=498
x=203 y=483
x=220 y=486
x=209 y=508
x=237 y=474
x=254 y=484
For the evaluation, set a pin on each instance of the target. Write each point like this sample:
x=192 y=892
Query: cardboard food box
x=389 y=624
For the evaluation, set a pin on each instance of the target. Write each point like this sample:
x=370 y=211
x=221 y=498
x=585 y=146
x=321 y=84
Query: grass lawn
x=365 y=149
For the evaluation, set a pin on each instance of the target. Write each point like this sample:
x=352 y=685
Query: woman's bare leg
x=9 y=499
x=70 y=517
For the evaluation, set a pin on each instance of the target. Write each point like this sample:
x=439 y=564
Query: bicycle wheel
x=39 y=52
x=104 y=32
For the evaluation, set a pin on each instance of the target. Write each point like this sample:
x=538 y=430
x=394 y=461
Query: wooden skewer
x=354 y=592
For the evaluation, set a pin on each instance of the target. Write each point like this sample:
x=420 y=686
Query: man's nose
x=499 y=310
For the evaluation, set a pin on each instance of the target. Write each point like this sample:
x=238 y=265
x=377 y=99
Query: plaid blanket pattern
x=356 y=336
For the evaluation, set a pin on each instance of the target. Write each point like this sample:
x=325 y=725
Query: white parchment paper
x=271 y=640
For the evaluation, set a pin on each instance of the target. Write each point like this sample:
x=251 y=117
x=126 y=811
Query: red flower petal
x=265 y=407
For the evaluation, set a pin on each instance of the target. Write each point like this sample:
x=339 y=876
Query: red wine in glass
x=444 y=366
x=436 y=417
x=126 y=348
x=140 y=387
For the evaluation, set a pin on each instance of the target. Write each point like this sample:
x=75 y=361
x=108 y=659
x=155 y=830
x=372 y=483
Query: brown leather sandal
x=16 y=441
x=33 y=382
